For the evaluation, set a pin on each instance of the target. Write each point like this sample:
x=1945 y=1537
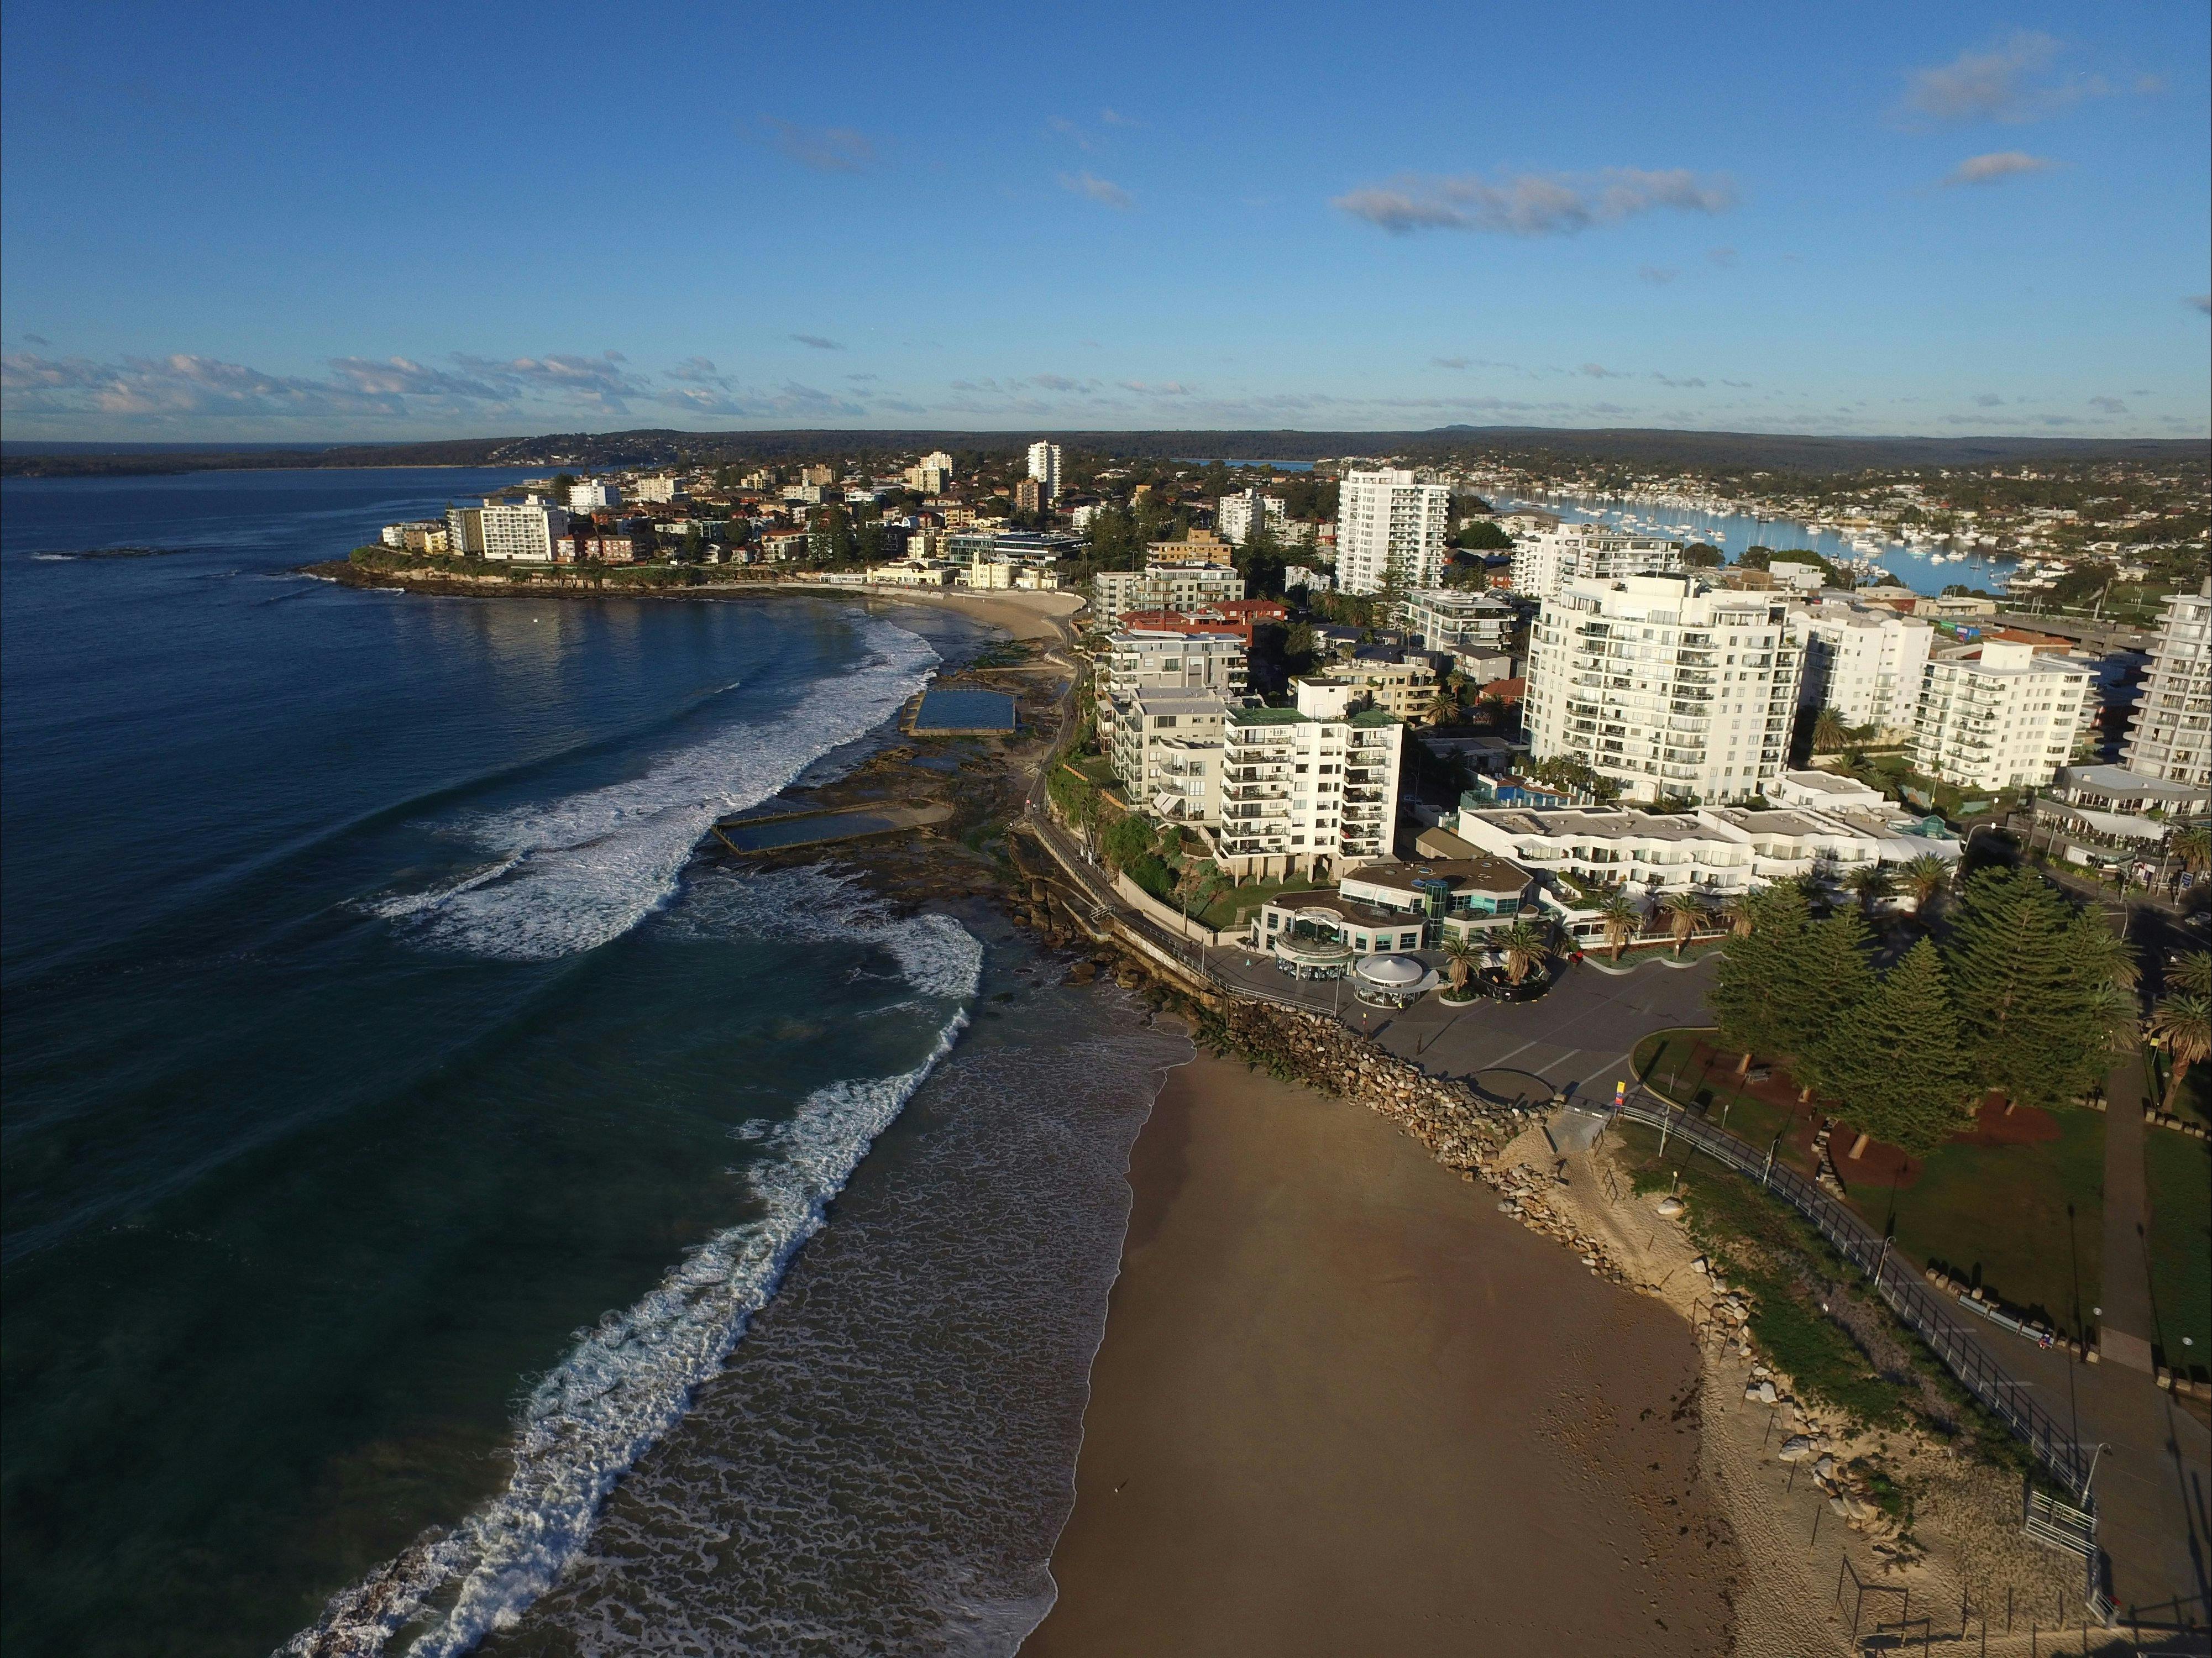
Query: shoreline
x=1342 y=1404
x=1026 y=615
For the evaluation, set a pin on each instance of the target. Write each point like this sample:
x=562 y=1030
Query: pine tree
x=1743 y=993
x=2033 y=980
x=1899 y=1066
x=1826 y=985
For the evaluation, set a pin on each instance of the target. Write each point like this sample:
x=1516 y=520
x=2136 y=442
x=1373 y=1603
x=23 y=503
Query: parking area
x=1577 y=1039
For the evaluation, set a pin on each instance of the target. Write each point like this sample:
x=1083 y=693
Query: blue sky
x=252 y=221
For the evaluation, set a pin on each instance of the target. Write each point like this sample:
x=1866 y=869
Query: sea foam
x=570 y=874
x=628 y=1382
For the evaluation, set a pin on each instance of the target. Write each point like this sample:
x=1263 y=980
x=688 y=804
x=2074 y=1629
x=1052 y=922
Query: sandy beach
x=1344 y=1405
x=1022 y=615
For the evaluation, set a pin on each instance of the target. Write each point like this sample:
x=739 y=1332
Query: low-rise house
x=2102 y=816
x=911 y=574
x=427 y=536
x=599 y=550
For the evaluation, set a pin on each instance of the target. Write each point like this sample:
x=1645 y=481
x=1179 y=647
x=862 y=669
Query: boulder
x=1701 y=1266
x=1795 y=1449
x=1670 y=1207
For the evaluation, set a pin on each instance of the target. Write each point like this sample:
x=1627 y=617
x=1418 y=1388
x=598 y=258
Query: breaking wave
x=628 y=1380
x=572 y=874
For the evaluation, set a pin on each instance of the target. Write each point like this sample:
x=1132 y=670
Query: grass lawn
x=1096 y=767
x=1998 y=1216
x=1664 y=1061
x=1994 y=1215
x=2180 y=1173
x=1238 y=902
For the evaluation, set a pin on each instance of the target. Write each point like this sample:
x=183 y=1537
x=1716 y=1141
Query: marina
x=1924 y=566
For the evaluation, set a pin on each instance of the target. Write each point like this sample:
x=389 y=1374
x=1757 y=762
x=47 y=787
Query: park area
x=2014 y=1206
x=2179 y=1170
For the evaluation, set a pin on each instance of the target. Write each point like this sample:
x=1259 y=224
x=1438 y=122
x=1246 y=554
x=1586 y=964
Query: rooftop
x=1480 y=873
x=1605 y=822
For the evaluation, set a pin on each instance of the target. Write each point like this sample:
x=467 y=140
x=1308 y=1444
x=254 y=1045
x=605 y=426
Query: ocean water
x=439 y=1207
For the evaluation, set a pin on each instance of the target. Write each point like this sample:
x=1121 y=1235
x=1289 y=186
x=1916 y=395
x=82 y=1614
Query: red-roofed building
x=1234 y=618
x=1507 y=692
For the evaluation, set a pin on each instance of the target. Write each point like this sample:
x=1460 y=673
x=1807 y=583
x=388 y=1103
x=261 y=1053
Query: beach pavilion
x=1392 y=980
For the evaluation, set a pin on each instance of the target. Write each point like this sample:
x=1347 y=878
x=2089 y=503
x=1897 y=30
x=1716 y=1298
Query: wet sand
x=1344 y=1405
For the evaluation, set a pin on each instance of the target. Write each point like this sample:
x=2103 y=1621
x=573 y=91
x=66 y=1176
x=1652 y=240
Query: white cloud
x=825 y=150
x=1997 y=166
x=2005 y=83
x=1532 y=203
x=1102 y=191
x=818 y=342
x=2201 y=303
x=183 y=386
x=2108 y=405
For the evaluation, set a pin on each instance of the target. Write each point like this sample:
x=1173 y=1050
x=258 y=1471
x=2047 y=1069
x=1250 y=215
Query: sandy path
x=1344 y=1405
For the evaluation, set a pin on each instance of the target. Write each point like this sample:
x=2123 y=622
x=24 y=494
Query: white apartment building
x=1167 y=751
x=2007 y=718
x=1865 y=661
x=594 y=495
x=1461 y=621
x=1143 y=659
x=1044 y=467
x=1308 y=788
x=665 y=487
x=1667 y=687
x=929 y=475
x=1587 y=552
x=1234 y=516
x=1184 y=587
x=524 y=531
x=2171 y=736
x=1390 y=531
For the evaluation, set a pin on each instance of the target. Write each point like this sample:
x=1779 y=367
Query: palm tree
x=1461 y=955
x=2192 y=974
x=1872 y=885
x=2111 y=958
x=1737 y=913
x=1525 y=947
x=1829 y=733
x=1925 y=879
x=2194 y=847
x=1622 y=919
x=1685 y=911
x=2182 y=1025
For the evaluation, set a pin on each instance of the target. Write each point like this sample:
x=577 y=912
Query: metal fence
x=1922 y=1309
